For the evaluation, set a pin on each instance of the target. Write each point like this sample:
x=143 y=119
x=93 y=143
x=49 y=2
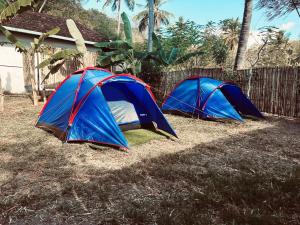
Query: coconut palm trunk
x=119 y=17
x=151 y=25
x=244 y=35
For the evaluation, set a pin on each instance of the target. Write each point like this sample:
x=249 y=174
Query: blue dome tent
x=209 y=98
x=92 y=105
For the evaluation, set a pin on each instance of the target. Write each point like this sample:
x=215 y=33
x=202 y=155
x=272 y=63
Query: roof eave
x=25 y=31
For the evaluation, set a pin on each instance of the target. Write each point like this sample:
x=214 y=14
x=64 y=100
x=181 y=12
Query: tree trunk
x=244 y=35
x=1 y=97
x=150 y=25
x=35 y=96
x=119 y=17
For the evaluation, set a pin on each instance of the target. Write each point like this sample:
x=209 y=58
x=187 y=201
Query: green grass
x=141 y=136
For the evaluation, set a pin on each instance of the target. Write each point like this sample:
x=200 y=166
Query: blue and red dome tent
x=92 y=104
x=209 y=98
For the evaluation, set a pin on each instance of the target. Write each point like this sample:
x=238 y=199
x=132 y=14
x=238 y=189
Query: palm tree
x=116 y=5
x=231 y=30
x=279 y=8
x=244 y=35
x=151 y=25
x=160 y=16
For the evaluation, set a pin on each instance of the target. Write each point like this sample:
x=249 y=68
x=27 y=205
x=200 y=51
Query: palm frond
x=107 y=3
x=13 y=8
x=130 y=4
x=127 y=28
x=141 y=15
x=12 y=39
x=76 y=34
x=3 y=4
x=37 y=42
x=61 y=55
x=143 y=24
x=114 y=45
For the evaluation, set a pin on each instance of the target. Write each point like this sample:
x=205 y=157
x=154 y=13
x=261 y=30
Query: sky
x=202 y=11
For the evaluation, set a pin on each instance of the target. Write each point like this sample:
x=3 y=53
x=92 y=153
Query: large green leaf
x=119 y=44
x=154 y=56
x=111 y=60
x=160 y=51
x=136 y=67
x=112 y=53
x=156 y=42
x=54 y=69
x=3 y=4
x=64 y=54
x=127 y=28
x=75 y=33
x=173 y=56
x=38 y=42
x=12 y=39
x=13 y=8
x=188 y=56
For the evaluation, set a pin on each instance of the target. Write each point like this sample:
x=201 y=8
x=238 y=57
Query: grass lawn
x=215 y=173
x=141 y=136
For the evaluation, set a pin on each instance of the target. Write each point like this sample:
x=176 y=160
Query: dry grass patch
x=215 y=173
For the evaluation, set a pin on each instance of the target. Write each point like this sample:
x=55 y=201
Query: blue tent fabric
x=210 y=98
x=184 y=97
x=58 y=109
x=78 y=111
x=95 y=123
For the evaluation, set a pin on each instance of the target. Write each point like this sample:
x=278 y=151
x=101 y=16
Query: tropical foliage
x=186 y=34
x=57 y=60
x=116 y=5
x=278 y=8
x=7 y=11
x=93 y=19
x=230 y=32
x=11 y=9
x=275 y=49
x=161 y=17
x=121 y=53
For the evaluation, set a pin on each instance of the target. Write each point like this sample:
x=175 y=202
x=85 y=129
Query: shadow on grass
x=252 y=178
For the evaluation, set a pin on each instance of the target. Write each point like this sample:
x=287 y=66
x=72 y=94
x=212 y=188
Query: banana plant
x=3 y=5
x=57 y=60
x=171 y=58
x=13 y=40
x=121 y=53
x=8 y=10
x=38 y=42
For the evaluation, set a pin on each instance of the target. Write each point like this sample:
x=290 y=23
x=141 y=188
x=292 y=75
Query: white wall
x=11 y=69
x=11 y=62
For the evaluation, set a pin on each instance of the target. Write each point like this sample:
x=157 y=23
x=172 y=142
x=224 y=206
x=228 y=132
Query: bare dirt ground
x=215 y=173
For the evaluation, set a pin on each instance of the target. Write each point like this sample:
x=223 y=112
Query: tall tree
x=278 y=8
x=244 y=35
x=230 y=31
x=186 y=34
x=160 y=16
x=92 y=18
x=151 y=25
x=116 y=5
